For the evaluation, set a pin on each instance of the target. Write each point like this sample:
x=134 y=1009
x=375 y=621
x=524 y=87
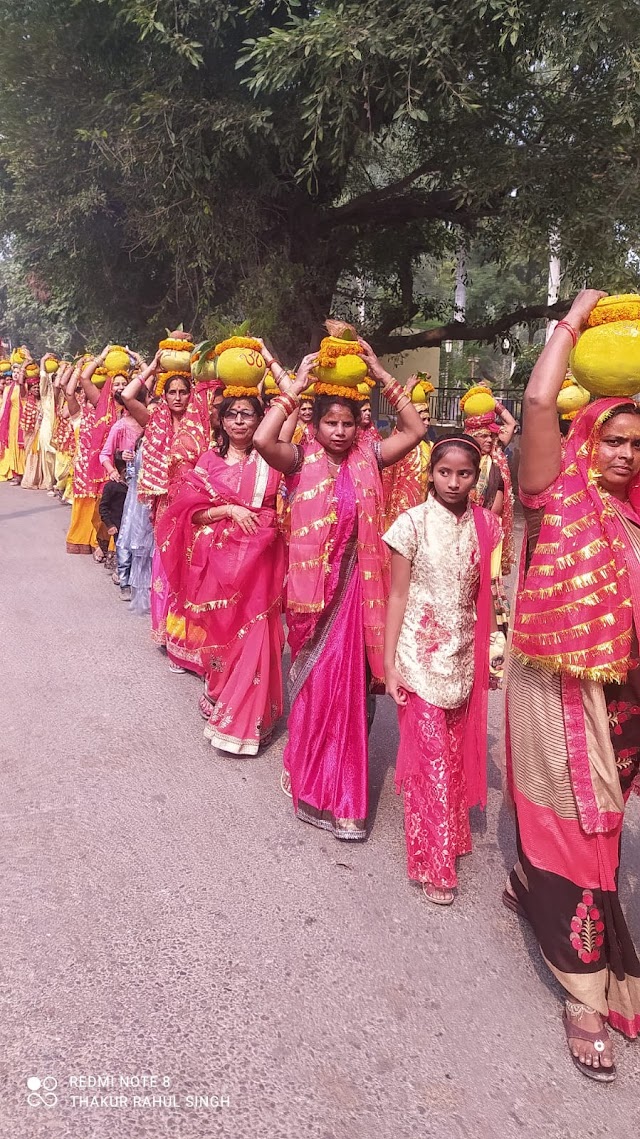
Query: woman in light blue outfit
x=134 y=547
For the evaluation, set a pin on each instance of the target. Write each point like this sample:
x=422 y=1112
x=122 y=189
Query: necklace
x=335 y=465
x=239 y=455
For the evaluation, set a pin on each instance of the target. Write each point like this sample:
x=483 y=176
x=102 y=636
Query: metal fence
x=444 y=406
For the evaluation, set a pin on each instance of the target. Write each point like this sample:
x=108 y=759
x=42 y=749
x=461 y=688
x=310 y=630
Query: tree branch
x=377 y=208
x=385 y=344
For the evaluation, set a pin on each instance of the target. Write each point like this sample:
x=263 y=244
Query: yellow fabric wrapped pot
x=19 y=355
x=176 y=352
x=477 y=401
x=240 y=365
x=571 y=397
x=422 y=390
x=606 y=359
x=117 y=361
x=340 y=368
x=204 y=362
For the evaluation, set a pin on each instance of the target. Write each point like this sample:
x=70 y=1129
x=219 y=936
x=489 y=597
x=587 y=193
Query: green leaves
x=232 y=158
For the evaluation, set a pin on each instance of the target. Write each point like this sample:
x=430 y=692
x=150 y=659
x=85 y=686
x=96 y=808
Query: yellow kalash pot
x=606 y=359
x=117 y=362
x=478 y=400
x=571 y=397
x=240 y=365
x=423 y=388
x=340 y=369
x=175 y=352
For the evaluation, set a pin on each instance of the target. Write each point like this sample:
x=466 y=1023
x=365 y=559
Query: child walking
x=441 y=638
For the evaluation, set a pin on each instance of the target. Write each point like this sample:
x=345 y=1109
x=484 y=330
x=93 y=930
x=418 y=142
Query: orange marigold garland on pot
x=240 y=365
x=163 y=380
x=340 y=368
x=175 y=351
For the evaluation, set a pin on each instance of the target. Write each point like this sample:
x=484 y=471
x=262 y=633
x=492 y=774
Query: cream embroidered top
x=435 y=652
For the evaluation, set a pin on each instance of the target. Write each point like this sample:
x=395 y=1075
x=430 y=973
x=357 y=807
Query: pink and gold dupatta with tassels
x=6 y=417
x=153 y=481
x=83 y=485
x=106 y=413
x=193 y=436
x=575 y=612
x=313 y=516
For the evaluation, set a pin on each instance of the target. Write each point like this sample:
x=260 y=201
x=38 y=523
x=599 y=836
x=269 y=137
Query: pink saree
x=227 y=591
x=335 y=642
x=573 y=724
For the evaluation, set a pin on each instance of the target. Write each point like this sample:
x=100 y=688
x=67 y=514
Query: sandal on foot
x=447 y=900
x=285 y=783
x=176 y=668
x=205 y=708
x=599 y=1040
x=511 y=902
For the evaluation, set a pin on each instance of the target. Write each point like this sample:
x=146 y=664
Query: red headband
x=468 y=439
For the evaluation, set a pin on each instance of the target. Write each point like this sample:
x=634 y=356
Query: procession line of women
x=248 y=514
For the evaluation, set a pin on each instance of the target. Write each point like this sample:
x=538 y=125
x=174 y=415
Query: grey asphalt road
x=166 y=920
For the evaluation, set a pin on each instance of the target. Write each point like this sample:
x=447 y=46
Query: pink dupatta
x=223 y=578
x=106 y=413
x=574 y=612
x=313 y=515
x=6 y=418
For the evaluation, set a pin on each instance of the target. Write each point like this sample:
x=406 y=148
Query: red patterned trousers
x=435 y=794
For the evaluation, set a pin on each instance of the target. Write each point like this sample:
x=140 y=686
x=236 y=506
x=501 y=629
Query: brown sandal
x=511 y=902
x=574 y=1032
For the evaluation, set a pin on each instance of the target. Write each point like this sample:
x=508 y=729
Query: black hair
x=141 y=397
x=322 y=403
x=459 y=440
x=119 y=463
x=622 y=409
x=225 y=406
x=185 y=380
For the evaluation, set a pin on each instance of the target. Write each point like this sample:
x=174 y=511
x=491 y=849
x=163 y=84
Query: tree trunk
x=555 y=276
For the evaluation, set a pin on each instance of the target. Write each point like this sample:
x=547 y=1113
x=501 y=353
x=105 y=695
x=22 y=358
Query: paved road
x=165 y=915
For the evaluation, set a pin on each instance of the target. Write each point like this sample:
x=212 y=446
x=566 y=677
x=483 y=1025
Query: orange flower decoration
x=237 y=342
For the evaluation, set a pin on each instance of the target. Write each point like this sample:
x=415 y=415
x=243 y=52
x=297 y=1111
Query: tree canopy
x=210 y=160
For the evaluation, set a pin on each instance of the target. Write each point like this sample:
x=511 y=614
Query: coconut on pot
x=176 y=349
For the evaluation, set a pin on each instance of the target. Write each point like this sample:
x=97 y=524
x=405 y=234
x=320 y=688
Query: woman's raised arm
x=409 y=426
x=86 y=377
x=508 y=424
x=540 y=449
x=136 y=409
x=278 y=454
